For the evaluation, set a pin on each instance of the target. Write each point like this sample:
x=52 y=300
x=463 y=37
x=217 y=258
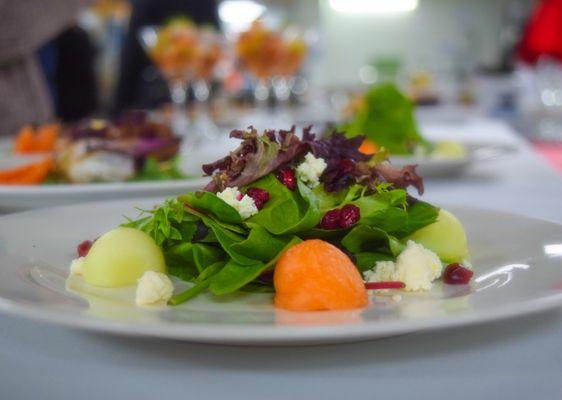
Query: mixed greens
x=360 y=205
x=386 y=117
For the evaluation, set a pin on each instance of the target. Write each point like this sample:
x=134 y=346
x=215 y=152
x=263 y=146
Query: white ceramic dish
x=440 y=167
x=517 y=263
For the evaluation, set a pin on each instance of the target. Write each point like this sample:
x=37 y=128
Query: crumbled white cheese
x=77 y=266
x=311 y=169
x=397 y=298
x=417 y=267
x=154 y=288
x=244 y=204
x=383 y=272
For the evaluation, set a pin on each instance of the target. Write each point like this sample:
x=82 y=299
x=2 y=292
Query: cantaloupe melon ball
x=446 y=237
x=120 y=257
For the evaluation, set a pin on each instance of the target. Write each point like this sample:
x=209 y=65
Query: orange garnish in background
x=314 y=276
x=29 y=174
x=368 y=147
x=40 y=140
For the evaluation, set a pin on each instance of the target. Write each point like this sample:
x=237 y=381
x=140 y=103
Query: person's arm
x=26 y=24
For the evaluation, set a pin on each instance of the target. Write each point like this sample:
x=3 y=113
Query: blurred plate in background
x=441 y=167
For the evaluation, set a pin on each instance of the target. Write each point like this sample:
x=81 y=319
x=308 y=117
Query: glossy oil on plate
x=517 y=263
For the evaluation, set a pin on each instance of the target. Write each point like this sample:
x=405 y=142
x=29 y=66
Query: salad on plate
x=132 y=147
x=385 y=116
x=313 y=222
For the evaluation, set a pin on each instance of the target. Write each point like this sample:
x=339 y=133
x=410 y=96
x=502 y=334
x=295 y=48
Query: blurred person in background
x=26 y=26
x=138 y=86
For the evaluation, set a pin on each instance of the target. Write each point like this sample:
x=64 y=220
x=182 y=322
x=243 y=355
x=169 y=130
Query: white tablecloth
x=515 y=359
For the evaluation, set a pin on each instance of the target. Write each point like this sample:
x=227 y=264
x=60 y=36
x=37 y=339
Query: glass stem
x=178 y=94
x=261 y=93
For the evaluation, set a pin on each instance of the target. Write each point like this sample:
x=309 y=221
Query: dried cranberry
x=331 y=220
x=259 y=196
x=84 y=248
x=456 y=274
x=350 y=214
x=346 y=165
x=287 y=177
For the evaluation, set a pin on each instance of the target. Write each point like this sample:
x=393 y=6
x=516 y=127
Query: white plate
x=19 y=198
x=517 y=263
x=25 y=197
x=14 y=198
x=441 y=167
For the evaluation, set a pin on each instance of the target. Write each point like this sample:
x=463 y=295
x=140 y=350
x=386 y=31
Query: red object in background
x=552 y=152
x=543 y=34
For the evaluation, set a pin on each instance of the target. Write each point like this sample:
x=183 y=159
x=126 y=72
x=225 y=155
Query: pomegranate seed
x=259 y=196
x=287 y=178
x=384 y=285
x=350 y=214
x=84 y=248
x=456 y=274
x=239 y=196
x=331 y=220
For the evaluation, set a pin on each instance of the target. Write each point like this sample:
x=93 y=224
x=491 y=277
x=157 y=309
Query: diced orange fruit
x=368 y=147
x=30 y=174
x=314 y=276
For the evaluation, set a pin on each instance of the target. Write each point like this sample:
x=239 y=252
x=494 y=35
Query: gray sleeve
x=26 y=24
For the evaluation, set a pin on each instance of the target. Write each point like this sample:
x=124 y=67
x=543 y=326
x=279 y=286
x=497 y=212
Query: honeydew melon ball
x=120 y=257
x=449 y=149
x=446 y=237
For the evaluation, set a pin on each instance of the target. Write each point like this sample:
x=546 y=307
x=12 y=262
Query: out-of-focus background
x=76 y=60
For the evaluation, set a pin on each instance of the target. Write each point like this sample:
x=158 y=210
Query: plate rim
x=287 y=335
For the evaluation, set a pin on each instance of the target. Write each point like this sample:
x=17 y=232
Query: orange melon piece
x=25 y=141
x=46 y=137
x=314 y=276
x=368 y=147
x=29 y=174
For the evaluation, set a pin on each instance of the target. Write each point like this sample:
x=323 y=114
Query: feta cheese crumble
x=244 y=204
x=311 y=169
x=154 y=288
x=77 y=266
x=417 y=267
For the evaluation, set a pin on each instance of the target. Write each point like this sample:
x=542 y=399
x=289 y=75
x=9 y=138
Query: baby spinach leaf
x=328 y=200
x=208 y=202
x=201 y=284
x=234 y=276
x=188 y=260
x=190 y=293
x=363 y=238
x=367 y=260
x=281 y=212
x=257 y=287
x=261 y=245
x=227 y=239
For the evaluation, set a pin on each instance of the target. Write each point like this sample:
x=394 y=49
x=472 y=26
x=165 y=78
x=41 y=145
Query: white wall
x=428 y=36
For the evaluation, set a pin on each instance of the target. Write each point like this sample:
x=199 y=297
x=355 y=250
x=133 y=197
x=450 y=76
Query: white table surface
x=515 y=359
